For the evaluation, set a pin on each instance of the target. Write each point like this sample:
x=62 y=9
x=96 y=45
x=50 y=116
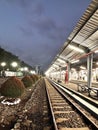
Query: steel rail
x=54 y=121
x=93 y=109
x=64 y=95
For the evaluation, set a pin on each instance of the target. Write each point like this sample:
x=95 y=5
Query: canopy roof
x=82 y=41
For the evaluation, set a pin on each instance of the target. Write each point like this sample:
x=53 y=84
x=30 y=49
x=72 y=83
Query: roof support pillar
x=89 y=71
x=60 y=73
x=68 y=70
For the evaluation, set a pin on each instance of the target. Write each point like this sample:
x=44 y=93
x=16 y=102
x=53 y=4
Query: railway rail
x=68 y=111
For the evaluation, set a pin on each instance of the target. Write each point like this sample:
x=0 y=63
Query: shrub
x=27 y=81
x=34 y=77
x=13 y=87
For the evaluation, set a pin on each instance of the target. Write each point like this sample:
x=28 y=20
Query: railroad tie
x=58 y=112
x=84 y=128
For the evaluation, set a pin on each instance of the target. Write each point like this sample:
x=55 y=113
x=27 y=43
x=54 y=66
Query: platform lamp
x=14 y=64
x=3 y=64
x=25 y=70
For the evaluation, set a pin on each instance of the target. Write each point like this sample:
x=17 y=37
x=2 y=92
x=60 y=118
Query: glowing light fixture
x=73 y=69
x=61 y=61
x=21 y=69
x=75 y=61
x=54 y=65
x=82 y=67
x=96 y=63
x=96 y=51
x=25 y=68
x=76 y=48
x=3 y=64
x=32 y=72
x=14 y=64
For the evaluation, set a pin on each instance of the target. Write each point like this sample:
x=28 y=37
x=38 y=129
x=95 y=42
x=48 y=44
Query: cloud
x=31 y=7
x=24 y=3
x=21 y=3
x=4 y=44
x=44 y=24
x=43 y=61
x=49 y=28
x=42 y=33
x=26 y=31
x=58 y=34
x=37 y=9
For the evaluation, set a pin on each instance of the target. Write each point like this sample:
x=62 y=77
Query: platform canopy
x=82 y=41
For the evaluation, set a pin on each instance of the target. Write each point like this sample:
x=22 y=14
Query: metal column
x=60 y=73
x=68 y=69
x=89 y=71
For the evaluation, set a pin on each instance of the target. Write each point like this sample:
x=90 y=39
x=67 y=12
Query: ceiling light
x=75 y=61
x=96 y=51
x=61 y=61
x=73 y=69
x=76 y=48
x=82 y=67
x=54 y=65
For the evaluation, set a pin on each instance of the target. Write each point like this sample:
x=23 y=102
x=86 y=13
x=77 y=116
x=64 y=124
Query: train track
x=36 y=114
x=67 y=113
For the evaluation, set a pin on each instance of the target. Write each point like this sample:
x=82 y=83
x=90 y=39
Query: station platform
x=94 y=83
x=74 y=87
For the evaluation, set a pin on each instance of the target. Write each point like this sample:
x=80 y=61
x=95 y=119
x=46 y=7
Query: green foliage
x=27 y=81
x=8 y=57
x=13 y=87
x=34 y=77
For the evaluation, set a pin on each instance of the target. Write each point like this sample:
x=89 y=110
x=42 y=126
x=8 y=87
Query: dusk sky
x=35 y=30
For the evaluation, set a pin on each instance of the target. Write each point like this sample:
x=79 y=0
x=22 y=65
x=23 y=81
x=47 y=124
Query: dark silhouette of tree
x=8 y=57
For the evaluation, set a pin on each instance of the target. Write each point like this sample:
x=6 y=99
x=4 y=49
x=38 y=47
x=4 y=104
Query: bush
x=27 y=81
x=34 y=77
x=13 y=87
